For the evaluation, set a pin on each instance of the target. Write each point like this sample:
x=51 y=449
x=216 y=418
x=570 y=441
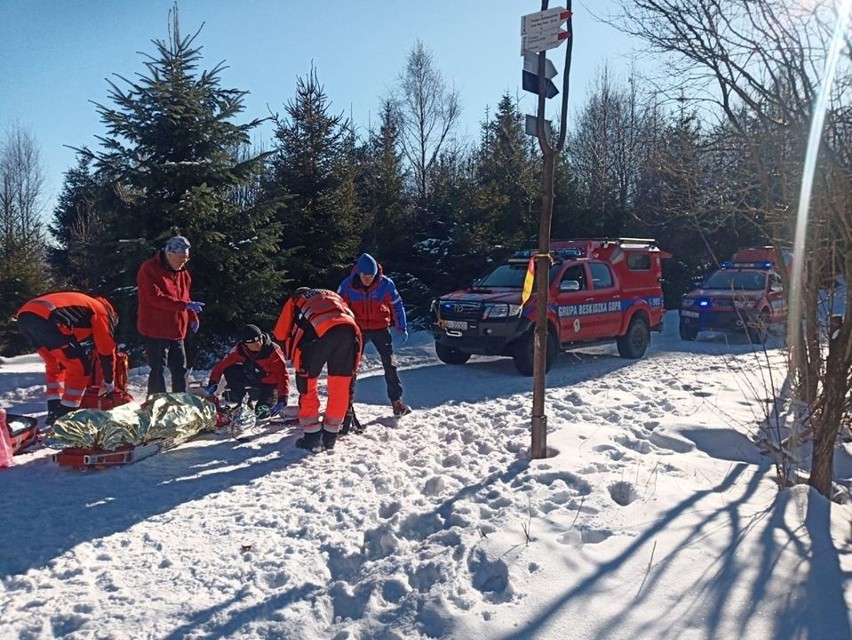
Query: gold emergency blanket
x=169 y=417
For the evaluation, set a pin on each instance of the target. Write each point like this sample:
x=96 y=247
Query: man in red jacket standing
x=166 y=312
x=377 y=306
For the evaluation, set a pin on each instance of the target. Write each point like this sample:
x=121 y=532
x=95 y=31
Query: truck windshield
x=510 y=276
x=739 y=280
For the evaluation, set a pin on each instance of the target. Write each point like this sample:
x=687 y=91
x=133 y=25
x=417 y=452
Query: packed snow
x=656 y=516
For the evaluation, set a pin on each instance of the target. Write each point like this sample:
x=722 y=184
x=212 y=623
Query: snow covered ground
x=655 y=517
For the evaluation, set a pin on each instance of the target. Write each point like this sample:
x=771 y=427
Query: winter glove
x=402 y=335
x=195 y=307
x=193 y=326
x=278 y=409
x=106 y=388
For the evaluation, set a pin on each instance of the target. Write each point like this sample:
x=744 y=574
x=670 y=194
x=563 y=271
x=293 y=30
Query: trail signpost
x=539 y=32
x=529 y=75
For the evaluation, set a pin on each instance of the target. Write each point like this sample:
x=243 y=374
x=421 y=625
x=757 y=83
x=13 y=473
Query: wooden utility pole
x=538 y=447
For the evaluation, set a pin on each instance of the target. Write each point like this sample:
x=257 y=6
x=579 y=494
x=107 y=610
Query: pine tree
x=508 y=172
x=174 y=161
x=388 y=234
x=314 y=171
x=78 y=228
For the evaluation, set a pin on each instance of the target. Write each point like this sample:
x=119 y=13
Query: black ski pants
x=242 y=379
x=161 y=352
x=383 y=342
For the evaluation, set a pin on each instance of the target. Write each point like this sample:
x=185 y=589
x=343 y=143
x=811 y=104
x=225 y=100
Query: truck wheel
x=525 y=353
x=634 y=343
x=687 y=331
x=450 y=355
x=758 y=331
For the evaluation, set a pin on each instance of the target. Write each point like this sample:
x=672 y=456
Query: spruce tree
x=388 y=234
x=508 y=171
x=314 y=172
x=174 y=161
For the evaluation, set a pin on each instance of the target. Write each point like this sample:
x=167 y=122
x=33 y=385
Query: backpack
x=23 y=431
x=91 y=399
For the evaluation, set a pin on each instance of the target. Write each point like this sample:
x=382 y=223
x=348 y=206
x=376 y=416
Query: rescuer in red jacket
x=166 y=312
x=255 y=363
x=317 y=329
x=60 y=327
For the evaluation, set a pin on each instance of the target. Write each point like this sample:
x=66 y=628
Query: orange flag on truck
x=528 y=282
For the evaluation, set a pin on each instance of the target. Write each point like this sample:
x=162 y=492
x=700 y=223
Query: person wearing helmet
x=255 y=366
x=62 y=327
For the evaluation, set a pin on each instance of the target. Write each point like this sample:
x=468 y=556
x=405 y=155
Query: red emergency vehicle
x=601 y=289
x=743 y=295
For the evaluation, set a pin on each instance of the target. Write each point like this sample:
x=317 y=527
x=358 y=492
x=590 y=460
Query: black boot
x=52 y=412
x=310 y=442
x=351 y=423
x=328 y=440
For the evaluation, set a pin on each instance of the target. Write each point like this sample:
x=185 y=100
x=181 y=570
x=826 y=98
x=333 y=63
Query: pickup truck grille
x=451 y=310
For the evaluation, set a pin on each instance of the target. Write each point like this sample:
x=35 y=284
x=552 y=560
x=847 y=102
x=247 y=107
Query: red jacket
x=378 y=306
x=269 y=362
x=79 y=315
x=310 y=312
x=162 y=294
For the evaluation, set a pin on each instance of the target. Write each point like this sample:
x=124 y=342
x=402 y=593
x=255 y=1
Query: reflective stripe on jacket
x=308 y=314
x=79 y=316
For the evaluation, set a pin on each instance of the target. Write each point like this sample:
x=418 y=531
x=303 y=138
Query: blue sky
x=56 y=55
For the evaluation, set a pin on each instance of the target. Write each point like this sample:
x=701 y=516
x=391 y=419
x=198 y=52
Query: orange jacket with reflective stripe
x=79 y=315
x=311 y=312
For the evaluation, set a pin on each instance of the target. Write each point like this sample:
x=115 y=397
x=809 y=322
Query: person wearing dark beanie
x=255 y=366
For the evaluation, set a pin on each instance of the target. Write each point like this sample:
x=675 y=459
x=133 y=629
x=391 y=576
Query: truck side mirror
x=569 y=285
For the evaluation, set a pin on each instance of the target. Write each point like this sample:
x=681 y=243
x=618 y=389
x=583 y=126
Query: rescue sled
x=84 y=459
x=93 y=438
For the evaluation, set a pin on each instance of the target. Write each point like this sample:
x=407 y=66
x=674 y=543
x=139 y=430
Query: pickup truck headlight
x=491 y=311
x=745 y=304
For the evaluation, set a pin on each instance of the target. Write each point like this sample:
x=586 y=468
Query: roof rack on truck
x=591 y=248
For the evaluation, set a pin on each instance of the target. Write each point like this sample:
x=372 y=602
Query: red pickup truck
x=744 y=294
x=601 y=290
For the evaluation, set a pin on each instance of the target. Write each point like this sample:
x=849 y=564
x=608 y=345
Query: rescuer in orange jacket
x=317 y=329
x=58 y=325
x=256 y=365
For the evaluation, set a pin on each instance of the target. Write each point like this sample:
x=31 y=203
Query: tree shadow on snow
x=813 y=605
x=52 y=509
